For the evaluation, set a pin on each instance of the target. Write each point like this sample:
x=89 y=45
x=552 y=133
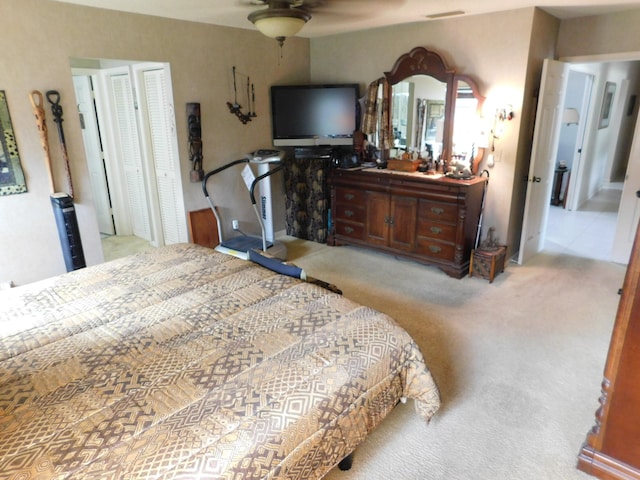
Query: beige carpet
x=519 y=362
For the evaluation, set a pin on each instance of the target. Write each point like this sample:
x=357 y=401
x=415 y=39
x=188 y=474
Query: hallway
x=588 y=232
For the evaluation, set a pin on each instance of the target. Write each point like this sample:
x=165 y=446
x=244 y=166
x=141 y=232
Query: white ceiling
x=341 y=16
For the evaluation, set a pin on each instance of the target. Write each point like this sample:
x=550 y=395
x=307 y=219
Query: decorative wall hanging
x=236 y=108
x=11 y=175
x=607 y=104
x=53 y=96
x=195 y=141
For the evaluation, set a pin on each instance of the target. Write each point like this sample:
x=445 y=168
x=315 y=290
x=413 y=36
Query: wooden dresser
x=612 y=447
x=428 y=219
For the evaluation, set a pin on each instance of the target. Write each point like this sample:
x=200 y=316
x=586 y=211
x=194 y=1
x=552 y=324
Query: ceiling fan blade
x=265 y=3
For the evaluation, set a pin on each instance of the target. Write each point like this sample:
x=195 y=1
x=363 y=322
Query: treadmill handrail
x=218 y=170
x=258 y=179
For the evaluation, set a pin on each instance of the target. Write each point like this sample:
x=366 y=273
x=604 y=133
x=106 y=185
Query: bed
x=182 y=362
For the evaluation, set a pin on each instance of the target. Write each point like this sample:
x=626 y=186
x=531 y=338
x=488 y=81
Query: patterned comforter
x=186 y=363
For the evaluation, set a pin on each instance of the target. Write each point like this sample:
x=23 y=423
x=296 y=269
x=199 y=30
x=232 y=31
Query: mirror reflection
x=466 y=129
x=417 y=115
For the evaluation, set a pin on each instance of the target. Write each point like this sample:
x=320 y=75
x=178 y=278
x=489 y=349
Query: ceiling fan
x=285 y=18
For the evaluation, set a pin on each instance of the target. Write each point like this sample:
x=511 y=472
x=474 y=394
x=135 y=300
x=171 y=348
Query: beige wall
x=40 y=37
x=493 y=49
x=614 y=34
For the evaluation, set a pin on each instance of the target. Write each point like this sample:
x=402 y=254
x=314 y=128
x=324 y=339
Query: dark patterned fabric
x=185 y=363
x=307 y=197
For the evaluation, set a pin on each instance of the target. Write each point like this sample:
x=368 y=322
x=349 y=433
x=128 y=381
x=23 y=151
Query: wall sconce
x=505 y=113
x=570 y=116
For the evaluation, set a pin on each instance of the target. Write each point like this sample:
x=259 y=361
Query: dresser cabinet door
x=378 y=218
x=403 y=219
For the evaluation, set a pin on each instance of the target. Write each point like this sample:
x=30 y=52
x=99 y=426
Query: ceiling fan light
x=276 y=23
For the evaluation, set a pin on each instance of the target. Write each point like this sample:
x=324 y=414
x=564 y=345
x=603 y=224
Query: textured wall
x=600 y=35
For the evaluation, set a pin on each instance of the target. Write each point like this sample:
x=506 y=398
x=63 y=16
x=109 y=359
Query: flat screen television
x=314 y=115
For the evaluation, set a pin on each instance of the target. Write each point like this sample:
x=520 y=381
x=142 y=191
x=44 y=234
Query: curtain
x=376 y=113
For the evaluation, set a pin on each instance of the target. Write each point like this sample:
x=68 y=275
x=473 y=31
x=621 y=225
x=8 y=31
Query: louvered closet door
x=161 y=128
x=130 y=157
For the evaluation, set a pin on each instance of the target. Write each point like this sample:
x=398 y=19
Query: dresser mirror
x=433 y=109
x=417 y=113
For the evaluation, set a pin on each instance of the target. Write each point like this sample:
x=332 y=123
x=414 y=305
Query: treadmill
x=267 y=162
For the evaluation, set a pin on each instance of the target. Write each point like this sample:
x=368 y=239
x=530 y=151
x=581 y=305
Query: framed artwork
x=607 y=104
x=435 y=108
x=435 y=112
x=11 y=175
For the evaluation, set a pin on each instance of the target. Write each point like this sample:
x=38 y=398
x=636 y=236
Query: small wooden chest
x=487 y=263
x=403 y=165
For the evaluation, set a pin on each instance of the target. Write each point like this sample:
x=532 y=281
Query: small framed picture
x=11 y=176
x=607 y=104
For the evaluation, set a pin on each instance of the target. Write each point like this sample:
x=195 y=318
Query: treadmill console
x=266 y=156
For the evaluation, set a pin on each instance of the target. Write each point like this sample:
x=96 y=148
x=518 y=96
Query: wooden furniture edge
x=603 y=466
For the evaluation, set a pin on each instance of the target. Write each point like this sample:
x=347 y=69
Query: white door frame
x=83 y=81
x=584 y=125
x=114 y=170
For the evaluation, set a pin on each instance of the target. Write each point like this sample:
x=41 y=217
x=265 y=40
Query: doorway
x=131 y=148
x=585 y=220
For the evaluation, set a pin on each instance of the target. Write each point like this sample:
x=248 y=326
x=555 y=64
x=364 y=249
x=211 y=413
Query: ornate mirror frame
x=420 y=61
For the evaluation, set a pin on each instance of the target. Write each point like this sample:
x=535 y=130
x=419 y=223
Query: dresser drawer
x=437 y=230
x=350 y=196
x=348 y=229
x=350 y=212
x=435 y=249
x=440 y=212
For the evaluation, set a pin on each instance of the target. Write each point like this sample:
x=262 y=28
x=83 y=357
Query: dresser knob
x=349 y=196
x=348 y=213
x=436 y=230
x=437 y=210
x=435 y=249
